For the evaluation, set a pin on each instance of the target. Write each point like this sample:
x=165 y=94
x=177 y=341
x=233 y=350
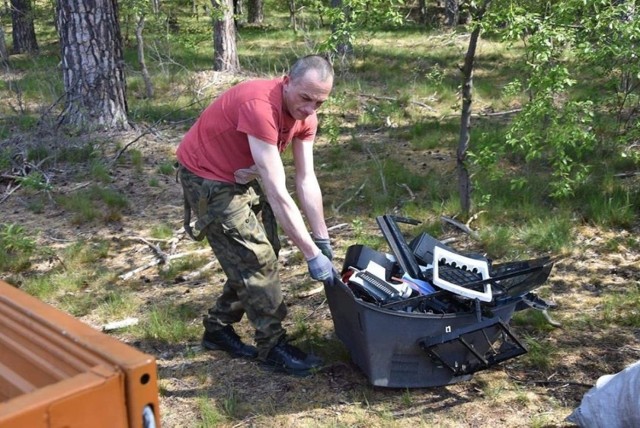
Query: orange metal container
x=57 y=372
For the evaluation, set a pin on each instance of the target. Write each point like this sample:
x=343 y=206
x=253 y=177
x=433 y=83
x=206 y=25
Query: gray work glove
x=320 y=267
x=325 y=246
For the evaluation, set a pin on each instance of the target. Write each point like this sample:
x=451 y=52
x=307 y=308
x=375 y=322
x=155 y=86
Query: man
x=237 y=141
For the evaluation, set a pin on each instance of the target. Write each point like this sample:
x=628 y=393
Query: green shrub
x=16 y=248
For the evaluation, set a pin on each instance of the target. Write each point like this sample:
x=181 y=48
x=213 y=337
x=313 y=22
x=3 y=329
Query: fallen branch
x=337 y=209
x=164 y=257
x=408 y=189
x=115 y=325
x=197 y=273
x=77 y=187
x=549 y=382
x=337 y=226
x=473 y=218
x=155 y=262
x=315 y=309
x=8 y=193
x=549 y=319
x=311 y=292
x=126 y=146
x=627 y=174
x=139 y=269
x=461 y=226
x=377 y=97
x=497 y=113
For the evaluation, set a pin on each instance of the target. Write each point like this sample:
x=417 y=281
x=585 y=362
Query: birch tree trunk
x=92 y=65
x=143 y=65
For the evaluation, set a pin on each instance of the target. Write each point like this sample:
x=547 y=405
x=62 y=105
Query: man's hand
x=320 y=267
x=325 y=246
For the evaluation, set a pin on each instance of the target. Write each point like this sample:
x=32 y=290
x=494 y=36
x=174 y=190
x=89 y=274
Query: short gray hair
x=311 y=62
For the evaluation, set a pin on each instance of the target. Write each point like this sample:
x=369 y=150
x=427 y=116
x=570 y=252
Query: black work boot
x=228 y=340
x=287 y=358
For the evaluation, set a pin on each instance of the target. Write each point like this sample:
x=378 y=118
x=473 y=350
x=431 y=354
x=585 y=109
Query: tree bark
x=24 y=33
x=255 y=10
x=143 y=65
x=4 y=54
x=464 y=182
x=238 y=7
x=225 y=57
x=92 y=65
x=422 y=11
x=452 y=12
x=292 y=15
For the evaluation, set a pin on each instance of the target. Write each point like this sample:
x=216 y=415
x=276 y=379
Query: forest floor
x=204 y=388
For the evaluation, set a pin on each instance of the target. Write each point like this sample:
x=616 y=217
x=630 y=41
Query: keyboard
x=455 y=275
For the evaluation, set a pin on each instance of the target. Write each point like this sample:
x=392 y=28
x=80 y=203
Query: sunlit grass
x=170 y=323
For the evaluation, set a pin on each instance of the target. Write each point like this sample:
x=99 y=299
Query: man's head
x=307 y=86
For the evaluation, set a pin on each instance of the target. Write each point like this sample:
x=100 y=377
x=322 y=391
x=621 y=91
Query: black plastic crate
x=400 y=349
x=453 y=323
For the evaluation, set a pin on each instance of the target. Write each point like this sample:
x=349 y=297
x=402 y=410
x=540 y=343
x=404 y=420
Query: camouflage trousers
x=247 y=248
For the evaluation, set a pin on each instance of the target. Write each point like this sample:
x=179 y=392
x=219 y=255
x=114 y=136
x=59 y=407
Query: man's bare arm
x=308 y=188
x=271 y=169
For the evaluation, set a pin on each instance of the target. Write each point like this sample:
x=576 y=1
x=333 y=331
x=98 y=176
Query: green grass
x=623 y=308
x=171 y=323
x=166 y=168
x=96 y=203
x=548 y=235
x=16 y=248
x=162 y=231
x=77 y=282
x=210 y=416
x=540 y=355
x=181 y=265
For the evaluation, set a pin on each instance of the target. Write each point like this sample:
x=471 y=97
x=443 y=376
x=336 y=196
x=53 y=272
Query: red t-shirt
x=217 y=144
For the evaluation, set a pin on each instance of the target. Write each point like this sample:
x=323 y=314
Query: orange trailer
x=56 y=372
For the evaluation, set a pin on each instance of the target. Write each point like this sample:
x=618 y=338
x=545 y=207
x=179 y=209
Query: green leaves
x=353 y=17
x=563 y=40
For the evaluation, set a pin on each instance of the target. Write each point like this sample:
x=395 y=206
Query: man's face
x=306 y=94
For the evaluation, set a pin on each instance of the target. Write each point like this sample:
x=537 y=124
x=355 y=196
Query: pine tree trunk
x=255 y=11
x=24 y=33
x=225 y=57
x=92 y=65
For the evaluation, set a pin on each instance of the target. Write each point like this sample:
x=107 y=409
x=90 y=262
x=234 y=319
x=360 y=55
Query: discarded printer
x=426 y=315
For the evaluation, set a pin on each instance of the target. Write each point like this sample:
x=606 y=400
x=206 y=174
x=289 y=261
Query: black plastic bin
x=400 y=349
x=431 y=336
